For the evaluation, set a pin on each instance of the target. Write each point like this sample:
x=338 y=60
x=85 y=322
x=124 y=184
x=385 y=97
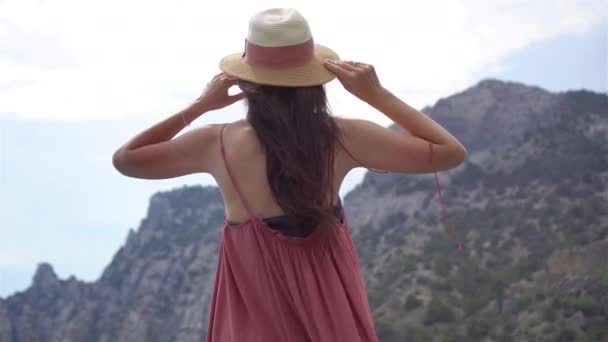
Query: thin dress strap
x=450 y=228
x=232 y=179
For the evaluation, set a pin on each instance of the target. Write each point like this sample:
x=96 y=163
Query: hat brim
x=311 y=74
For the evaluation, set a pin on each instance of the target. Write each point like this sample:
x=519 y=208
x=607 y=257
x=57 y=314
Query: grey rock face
x=157 y=288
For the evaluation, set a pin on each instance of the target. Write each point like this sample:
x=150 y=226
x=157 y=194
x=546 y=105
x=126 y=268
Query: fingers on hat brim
x=336 y=68
x=313 y=73
x=346 y=66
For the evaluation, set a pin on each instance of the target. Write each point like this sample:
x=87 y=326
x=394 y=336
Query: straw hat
x=279 y=50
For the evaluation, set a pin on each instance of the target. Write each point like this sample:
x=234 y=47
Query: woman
x=287 y=266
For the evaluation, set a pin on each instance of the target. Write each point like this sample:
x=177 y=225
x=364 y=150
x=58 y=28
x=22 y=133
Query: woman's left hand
x=215 y=95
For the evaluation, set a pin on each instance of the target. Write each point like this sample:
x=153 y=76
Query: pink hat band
x=279 y=56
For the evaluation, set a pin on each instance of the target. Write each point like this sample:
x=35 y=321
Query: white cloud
x=82 y=59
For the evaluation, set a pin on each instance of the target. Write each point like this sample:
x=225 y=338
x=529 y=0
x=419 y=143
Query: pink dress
x=270 y=287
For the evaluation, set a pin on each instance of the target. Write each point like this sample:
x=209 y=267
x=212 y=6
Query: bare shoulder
x=344 y=121
x=209 y=136
x=241 y=136
x=352 y=128
x=346 y=124
x=234 y=129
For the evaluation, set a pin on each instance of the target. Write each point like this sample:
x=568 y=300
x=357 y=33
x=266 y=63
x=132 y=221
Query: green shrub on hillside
x=412 y=302
x=438 y=312
x=478 y=329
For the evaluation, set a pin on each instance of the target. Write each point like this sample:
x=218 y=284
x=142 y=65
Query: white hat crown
x=278 y=27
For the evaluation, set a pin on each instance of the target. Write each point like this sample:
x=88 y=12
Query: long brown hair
x=298 y=135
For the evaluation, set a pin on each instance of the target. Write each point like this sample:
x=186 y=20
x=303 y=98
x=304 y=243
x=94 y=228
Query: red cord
x=452 y=231
x=450 y=228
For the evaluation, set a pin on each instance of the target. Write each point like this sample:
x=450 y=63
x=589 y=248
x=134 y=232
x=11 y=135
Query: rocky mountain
x=530 y=205
x=530 y=199
x=157 y=287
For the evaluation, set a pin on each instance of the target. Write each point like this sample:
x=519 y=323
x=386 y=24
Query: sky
x=79 y=78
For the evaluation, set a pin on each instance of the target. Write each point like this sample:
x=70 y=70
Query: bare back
x=247 y=159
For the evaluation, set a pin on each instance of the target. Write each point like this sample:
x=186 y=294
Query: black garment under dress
x=281 y=224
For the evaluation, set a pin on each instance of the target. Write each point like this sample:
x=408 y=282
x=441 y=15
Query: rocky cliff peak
x=45 y=276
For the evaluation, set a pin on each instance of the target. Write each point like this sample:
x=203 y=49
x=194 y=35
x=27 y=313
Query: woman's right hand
x=358 y=78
